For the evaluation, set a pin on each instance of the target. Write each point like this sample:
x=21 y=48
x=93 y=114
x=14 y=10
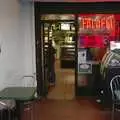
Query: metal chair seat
x=115 y=89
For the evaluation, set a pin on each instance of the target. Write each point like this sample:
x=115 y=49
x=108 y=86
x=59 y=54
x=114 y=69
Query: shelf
x=68 y=53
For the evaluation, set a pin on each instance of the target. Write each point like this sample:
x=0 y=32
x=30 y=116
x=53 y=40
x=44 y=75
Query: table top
x=18 y=93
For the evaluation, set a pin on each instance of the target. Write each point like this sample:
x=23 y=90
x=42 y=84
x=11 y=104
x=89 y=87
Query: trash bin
x=7 y=109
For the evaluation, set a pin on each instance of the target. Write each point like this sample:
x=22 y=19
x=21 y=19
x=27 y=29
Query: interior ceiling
x=70 y=0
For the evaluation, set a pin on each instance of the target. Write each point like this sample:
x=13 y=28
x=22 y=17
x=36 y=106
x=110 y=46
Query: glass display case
x=67 y=55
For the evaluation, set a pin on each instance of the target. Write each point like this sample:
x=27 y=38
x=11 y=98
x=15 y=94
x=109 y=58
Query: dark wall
x=72 y=8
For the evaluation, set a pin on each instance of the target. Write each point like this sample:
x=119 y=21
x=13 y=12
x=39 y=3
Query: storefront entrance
x=58 y=38
x=90 y=39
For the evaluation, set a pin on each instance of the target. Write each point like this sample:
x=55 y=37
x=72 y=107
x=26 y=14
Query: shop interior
x=59 y=33
x=84 y=48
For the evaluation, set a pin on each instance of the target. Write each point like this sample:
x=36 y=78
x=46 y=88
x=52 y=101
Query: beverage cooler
x=110 y=66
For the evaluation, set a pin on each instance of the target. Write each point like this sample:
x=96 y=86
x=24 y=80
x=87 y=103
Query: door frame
x=65 y=8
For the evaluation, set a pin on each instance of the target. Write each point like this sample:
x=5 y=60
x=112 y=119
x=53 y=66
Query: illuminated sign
x=97 y=22
x=96 y=30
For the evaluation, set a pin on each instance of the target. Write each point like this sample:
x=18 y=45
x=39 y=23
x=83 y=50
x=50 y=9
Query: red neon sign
x=92 y=23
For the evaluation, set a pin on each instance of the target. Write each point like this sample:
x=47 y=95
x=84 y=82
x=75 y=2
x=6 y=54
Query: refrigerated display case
x=67 y=56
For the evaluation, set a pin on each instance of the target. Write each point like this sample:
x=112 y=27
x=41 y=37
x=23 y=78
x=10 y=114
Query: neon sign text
x=90 y=23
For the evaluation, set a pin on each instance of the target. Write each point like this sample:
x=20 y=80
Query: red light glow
x=93 y=29
x=91 y=23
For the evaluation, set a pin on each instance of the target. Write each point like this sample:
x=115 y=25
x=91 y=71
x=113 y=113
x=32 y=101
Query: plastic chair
x=115 y=89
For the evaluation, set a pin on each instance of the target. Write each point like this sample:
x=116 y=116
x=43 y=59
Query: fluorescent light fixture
x=65 y=26
x=114 y=45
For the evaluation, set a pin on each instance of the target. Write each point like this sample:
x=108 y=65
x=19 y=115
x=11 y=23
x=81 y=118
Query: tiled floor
x=65 y=82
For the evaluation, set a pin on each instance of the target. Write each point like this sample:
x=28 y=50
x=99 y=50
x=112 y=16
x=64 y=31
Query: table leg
x=19 y=109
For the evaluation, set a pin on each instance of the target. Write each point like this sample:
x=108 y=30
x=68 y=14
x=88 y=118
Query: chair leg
x=113 y=111
x=9 y=114
x=29 y=111
x=32 y=112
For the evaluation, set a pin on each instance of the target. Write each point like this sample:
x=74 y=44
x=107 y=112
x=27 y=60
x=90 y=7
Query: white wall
x=28 y=33
x=16 y=41
x=12 y=47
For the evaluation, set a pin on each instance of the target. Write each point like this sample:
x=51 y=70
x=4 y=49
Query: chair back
x=29 y=81
x=115 y=86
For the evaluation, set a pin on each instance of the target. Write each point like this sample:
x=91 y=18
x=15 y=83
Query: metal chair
x=115 y=89
x=29 y=81
x=7 y=106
